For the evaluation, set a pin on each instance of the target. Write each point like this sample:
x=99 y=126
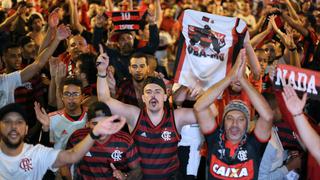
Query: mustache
x=234 y=128
x=14 y=131
x=153 y=99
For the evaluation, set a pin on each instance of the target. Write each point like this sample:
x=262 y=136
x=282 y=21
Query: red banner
x=302 y=80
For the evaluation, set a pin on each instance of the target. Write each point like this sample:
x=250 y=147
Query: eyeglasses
x=71 y=94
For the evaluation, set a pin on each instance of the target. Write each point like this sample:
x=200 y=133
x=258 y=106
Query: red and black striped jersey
x=157 y=145
x=126 y=93
x=29 y=92
x=119 y=149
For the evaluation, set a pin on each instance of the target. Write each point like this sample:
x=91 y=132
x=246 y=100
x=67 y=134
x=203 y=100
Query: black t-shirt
x=246 y=163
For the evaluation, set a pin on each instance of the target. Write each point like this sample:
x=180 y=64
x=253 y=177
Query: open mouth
x=234 y=131
x=13 y=134
x=153 y=102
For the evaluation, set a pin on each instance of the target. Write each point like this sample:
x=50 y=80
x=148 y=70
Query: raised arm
x=28 y=72
x=252 y=58
x=158 y=12
x=105 y=126
x=53 y=22
x=264 y=123
x=259 y=37
x=308 y=135
x=10 y=19
x=287 y=40
x=203 y=113
x=295 y=24
x=130 y=112
x=292 y=11
x=75 y=23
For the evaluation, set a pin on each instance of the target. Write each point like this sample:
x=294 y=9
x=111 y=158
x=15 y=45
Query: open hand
x=108 y=125
x=42 y=116
x=53 y=19
x=294 y=104
x=63 y=32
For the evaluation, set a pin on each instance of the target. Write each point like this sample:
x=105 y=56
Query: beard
x=127 y=48
x=138 y=80
x=10 y=144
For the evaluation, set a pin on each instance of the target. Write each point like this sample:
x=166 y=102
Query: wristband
x=299 y=114
x=102 y=76
x=94 y=137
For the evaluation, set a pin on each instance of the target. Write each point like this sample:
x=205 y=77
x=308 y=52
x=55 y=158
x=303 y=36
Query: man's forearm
x=75 y=154
x=212 y=94
x=28 y=72
x=259 y=103
x=103 y=91
x=308 y=135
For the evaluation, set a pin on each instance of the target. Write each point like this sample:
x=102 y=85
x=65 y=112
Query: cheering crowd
x=159 y=89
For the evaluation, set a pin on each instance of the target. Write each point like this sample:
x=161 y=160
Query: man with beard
x=86 y=71
x=19 y=160
x=130 y=90
x=28 y=50
x=126 y=46
x=155 y=128
x=232 y=152
x=31 y=90
x=12 y=59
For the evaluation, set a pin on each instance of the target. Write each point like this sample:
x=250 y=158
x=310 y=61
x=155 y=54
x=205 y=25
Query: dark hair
x=31 y=19
x=155 y=80
x=98 y=106
x=71 y=80
x=88 y=66
x=139 y=55
x=13 y=107
x=11 y=45
x=24 y=40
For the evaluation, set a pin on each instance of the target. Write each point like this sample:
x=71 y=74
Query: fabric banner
x=126 y=20
x=208 y=46
x=302 y=80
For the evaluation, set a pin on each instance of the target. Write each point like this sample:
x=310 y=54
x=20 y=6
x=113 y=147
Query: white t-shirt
x=8 y=83
x=32 y=163
x=62 y=126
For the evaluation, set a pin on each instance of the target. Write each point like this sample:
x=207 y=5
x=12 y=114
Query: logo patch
x=240 y=171
x=26 y=164
x=116 y=155
x=166 y=135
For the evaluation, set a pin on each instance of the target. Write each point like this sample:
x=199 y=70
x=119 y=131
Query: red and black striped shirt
x=126 y=93
x=30 y=91
x=157 y=145
x=119 y=149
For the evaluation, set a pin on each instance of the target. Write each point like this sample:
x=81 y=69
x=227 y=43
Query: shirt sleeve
x=47 y=157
